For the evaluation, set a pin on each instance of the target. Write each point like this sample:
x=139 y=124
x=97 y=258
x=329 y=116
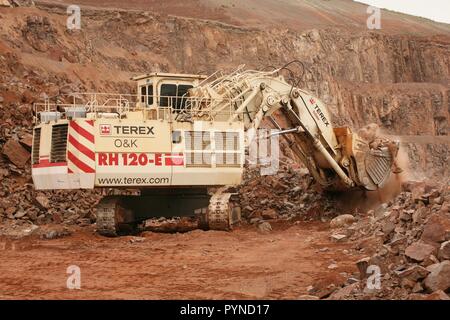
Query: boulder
x=388 y=227
x=419 y=251
x=344 y=292
x=436 y=229
x=4 y=3
x=439 y=277
x=269 y=214
x=413 y=273
x=20 y=214
x=27 y=140
x=264 y=227
x=16 y=153
x=444 y=251
x=432 y=267
x=338 y=237
x=342 y=220
x=43 y=201
x=438 y=295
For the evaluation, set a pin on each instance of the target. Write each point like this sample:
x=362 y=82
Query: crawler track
x=106 y=217
x=223 y=212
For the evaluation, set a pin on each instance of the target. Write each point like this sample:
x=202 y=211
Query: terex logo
x=105 y=129
x=142 y=130
x=321 y=115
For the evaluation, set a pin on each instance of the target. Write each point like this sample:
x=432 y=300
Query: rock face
x=16 y=153
x=439 y=278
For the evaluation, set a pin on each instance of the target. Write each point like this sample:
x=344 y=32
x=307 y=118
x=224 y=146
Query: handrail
x=97 y=103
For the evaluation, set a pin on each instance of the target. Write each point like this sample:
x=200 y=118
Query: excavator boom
x=336 y=157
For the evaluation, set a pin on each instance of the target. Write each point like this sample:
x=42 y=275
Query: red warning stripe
x=45 y=163
x=81 y=165
x=89 y=153
x=75 y=126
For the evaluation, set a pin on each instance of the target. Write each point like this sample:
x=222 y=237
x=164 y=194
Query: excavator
x=178 y=146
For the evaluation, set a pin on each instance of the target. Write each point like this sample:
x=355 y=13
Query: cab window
x=143 y=93
x=147 y=95
x=172 y=95
x=168 y=93
x=150 y=95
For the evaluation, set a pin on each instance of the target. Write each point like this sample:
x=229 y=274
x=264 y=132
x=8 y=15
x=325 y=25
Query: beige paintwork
x=143 y=133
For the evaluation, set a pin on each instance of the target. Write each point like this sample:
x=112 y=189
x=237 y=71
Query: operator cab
x=165 y=90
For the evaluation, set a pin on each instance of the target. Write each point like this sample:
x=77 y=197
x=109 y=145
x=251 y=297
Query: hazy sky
x=438 y=10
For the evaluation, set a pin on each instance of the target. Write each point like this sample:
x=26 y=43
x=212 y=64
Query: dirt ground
x=243 y=264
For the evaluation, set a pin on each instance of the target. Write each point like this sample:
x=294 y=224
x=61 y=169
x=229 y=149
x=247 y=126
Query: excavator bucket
x=378 y=165
x=372 y=158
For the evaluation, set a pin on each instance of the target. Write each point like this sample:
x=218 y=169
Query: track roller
x=113 y=218
x=223 y=212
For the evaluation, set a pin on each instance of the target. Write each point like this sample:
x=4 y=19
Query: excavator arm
x=337 y=158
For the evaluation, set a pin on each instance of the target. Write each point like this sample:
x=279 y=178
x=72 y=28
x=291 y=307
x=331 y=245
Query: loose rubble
x=287 y=195
x=21 y=204
x=408 y=239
